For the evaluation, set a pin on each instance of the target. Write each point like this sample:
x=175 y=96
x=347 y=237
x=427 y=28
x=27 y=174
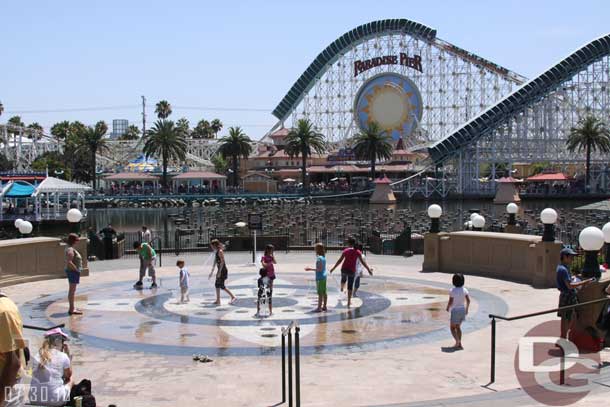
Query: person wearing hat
x=51 y=370
x=567 y=290
x=12 y=358
x=74 y=266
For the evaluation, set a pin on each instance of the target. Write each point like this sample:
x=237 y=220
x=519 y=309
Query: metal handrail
x=524 y=316
x=287 y=332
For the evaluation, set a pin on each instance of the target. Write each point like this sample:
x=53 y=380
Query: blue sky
x=238 y=54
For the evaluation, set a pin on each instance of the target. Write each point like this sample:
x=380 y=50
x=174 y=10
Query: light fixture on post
x=25 y=227
x=435 y=212
x=478 y=222
x=591 y=239
x=512 y=210
x=548 y=217
x=74 y=216
x=606 y=232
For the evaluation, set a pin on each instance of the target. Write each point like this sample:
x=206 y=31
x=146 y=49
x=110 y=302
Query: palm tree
x=183 y=126
x=302 y=141
x=202 y=130
x=93 y=141
x=237 y=144
x=163 y=109
x=215 y=127
x=373 y=144
x=591 y=135
x=61 y=130
x=132 y=133
x=37 y=131
x=1 y=108
x=166 y=141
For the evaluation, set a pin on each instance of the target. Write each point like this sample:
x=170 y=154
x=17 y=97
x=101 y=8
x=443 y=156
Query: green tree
x=215 y=127
x=54 y=162
x=202 y=130
x=163 y=109
x=166 y=141
x=37 y=131
x=303 y=140
x=16 y=121
x=1 y=108
x=61 y=130
x=373 y=144
x=590 y=135
x=183 y=126
x=540 y=167
x=237 y=144
x=132 y=133
x=92 y=141
x=220 y=164
x=6 y=164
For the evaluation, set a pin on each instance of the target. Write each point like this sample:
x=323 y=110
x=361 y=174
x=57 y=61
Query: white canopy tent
x=53 y=189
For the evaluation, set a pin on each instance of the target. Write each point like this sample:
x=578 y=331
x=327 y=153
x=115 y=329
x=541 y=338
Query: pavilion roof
x=558 y=176
x=199 y=175
x=131 y=176
x=52 y=184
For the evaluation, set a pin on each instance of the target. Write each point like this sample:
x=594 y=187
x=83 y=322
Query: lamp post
x=478 y=222
x=74 y=216
x=435 y=212
x=606 y=232
x=512 y=210
x=591 y=239
x=548 y=217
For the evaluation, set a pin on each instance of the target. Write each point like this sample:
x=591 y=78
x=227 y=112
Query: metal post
x=283 y=369
x=297 y=366
x=254 y=249
x=290 y=366
x=562 y=367
x=493 y=351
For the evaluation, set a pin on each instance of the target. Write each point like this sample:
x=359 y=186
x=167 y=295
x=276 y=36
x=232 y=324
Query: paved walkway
x=397 y=353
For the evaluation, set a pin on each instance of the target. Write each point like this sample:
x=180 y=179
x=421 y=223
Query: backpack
x=82 y=389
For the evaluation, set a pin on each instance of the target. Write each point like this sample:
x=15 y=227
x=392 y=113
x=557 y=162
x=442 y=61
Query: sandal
x=75 y=312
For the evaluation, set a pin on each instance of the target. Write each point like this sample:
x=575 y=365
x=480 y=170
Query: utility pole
x=143 y=116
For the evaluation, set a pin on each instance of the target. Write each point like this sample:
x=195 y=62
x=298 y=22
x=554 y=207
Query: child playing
x=359 y=269
x=268 y=262
x=459 y=302
x=349 y=258
x=184 y=282
x=264 y=291
x=221 y=271
x=320 y=277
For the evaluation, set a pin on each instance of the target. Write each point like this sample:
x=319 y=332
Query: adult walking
x=222 y=273
x=52 y=370
x=73 y=268
x=567 y=290
x=349 y=259
x=148 y=256
x=145 y=236
x=108 y=234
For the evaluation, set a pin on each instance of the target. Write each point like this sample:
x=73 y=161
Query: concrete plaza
x=391 y=349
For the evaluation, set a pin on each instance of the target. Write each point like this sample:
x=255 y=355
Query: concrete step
x=13 y=279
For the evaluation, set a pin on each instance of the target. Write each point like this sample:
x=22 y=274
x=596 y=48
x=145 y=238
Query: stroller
x=264 y=296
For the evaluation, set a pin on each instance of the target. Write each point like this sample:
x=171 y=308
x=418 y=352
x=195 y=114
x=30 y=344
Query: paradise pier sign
x=401 y=59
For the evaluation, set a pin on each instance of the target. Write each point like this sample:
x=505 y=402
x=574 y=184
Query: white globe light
x=478 y=222
x=606 y=232
x=591 y=238
x=74 y=215
x=548 y=216
x=18 y=222
x=435 y=211
x=240 y=224
x=25 y=227
x=473 y=215
x=469 y=224
x=512 y=208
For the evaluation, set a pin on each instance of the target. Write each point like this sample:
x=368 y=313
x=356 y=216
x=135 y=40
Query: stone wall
x=36 y=258
x=515 y=257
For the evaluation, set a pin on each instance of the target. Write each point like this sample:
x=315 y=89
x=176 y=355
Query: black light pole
x=591 y=239
x=548 y=217
x=606 y=232
x=435 y=212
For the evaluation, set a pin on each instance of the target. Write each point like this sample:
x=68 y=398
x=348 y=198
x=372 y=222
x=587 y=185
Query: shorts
x=349 y=277
x=220 y=283
x=184 y=289
x=565 y=299
x=264 y=289
x=321 y=287
x=458 y=315
x=73 y=276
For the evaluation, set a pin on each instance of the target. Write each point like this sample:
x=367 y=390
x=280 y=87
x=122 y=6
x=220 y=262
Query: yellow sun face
x=389 y=106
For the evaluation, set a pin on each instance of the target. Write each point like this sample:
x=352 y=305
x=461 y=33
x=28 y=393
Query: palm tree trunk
x=164 y=172
x=373 y=168
x=304 y=173
x=588 y=168
x=94 y=172
x=235 y=179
